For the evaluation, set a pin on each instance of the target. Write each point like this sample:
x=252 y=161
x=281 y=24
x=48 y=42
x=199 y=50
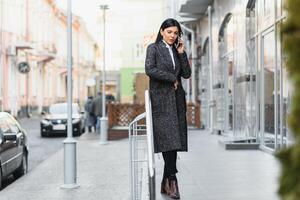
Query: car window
x=4 y=126
x=13 y=126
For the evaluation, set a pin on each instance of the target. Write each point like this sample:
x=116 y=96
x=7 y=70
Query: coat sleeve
x=185 y=69
x=151 y=67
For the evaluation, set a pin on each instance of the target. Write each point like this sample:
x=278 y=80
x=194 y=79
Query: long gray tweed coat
x=168 y=104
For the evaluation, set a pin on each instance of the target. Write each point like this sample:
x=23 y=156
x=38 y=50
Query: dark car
x=109 y=98
x=13 y=148
x=54 y=122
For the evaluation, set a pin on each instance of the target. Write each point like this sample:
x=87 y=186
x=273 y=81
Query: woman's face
x=170 y=34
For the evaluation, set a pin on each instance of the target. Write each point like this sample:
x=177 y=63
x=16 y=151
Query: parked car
x=13 y=148
x=109 y=98
x=55 y=121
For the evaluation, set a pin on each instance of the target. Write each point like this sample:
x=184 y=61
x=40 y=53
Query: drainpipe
x=211 y=104
x=1 y=53
x=193 y=66
x=174 y=4
x=174 y=8
x=27 y=75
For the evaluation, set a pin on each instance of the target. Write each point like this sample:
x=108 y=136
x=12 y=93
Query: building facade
x=131 y=25
x=35 y=32
x=242 y=85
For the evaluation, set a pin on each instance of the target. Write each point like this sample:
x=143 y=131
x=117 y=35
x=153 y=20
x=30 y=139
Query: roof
x=194 y=8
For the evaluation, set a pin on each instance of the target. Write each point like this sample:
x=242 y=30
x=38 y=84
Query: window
x=139 y=51
x=269 y=11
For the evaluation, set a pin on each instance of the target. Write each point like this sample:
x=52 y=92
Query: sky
x=90 y=12
x=117 y=27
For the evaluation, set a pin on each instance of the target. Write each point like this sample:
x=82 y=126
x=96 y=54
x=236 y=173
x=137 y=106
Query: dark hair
x=166 y=24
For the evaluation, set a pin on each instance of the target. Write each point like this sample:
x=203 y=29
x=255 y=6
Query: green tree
x=290 y=157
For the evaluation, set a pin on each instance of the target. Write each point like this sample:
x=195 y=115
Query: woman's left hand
x=176 y=85
x=180 y=47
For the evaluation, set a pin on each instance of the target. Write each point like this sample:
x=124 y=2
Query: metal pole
x=69 y=142
x=276 y=85
x=173 y=14
x=193 y=65
x=78 y=67
x=103 y=120
x=210 y=72
x=27 y=75
x=193 y=69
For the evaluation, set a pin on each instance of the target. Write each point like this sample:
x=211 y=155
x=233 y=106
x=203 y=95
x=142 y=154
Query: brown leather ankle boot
x=174 y=191
x=165 y=186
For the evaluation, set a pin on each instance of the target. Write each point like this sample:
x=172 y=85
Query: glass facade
x=204 y=84
x=251 y=89
x=269 y=90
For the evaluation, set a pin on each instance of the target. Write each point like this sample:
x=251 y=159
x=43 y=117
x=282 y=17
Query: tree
x=290 y=157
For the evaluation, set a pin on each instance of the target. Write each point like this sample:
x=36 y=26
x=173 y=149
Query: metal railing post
x=147 y=156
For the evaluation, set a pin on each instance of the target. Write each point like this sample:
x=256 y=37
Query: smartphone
x=177 y=43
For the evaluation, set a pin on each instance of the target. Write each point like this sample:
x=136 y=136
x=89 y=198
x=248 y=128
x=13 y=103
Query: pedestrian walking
x=90 y=118
x=166 y=63
x=97 y=105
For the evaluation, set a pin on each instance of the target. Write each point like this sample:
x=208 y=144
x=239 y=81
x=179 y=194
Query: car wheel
x=42 y=133
x=23 y=169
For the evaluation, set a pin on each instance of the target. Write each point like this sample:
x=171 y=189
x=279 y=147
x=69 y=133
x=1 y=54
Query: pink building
x=36 y=32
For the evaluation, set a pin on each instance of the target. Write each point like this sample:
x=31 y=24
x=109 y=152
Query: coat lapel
x=166 y=54
x=177 y=63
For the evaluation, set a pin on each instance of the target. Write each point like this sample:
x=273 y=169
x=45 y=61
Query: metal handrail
x=151 y=163
x=138 y=118
x=135 y=140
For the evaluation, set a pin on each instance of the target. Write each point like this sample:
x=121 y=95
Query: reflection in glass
x=224 y=87
x=269 y=79
x=204 y=86
x=269 y=11
x=230 y=80
x=279 y=8
x=286 y=91
x=248 y=83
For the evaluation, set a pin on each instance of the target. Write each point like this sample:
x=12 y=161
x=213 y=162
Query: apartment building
x=35 y=32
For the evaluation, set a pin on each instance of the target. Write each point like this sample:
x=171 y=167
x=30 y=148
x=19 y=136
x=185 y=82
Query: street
x=39 y=148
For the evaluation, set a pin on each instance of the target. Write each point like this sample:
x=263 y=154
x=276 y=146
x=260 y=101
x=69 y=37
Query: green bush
x=289 y=188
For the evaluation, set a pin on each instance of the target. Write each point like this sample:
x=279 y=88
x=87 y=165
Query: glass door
x=285 y=136
x=229 y=92
x=268 y=95
x=204 y=88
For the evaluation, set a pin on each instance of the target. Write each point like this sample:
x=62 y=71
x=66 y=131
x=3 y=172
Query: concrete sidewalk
x=209 y=172
x=206 y=172
x=102 y=171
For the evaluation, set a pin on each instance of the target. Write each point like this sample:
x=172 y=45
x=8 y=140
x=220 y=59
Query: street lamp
x=103 y=119
x=70 y=177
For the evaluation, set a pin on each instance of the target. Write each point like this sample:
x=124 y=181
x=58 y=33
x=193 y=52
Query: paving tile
x=210 y=172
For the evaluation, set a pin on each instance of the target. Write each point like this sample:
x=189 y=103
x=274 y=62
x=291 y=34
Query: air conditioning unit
x=11 y=50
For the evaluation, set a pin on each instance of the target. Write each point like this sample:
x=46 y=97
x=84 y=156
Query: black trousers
x=170 y=158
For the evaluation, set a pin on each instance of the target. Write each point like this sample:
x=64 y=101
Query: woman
x=166 y=62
